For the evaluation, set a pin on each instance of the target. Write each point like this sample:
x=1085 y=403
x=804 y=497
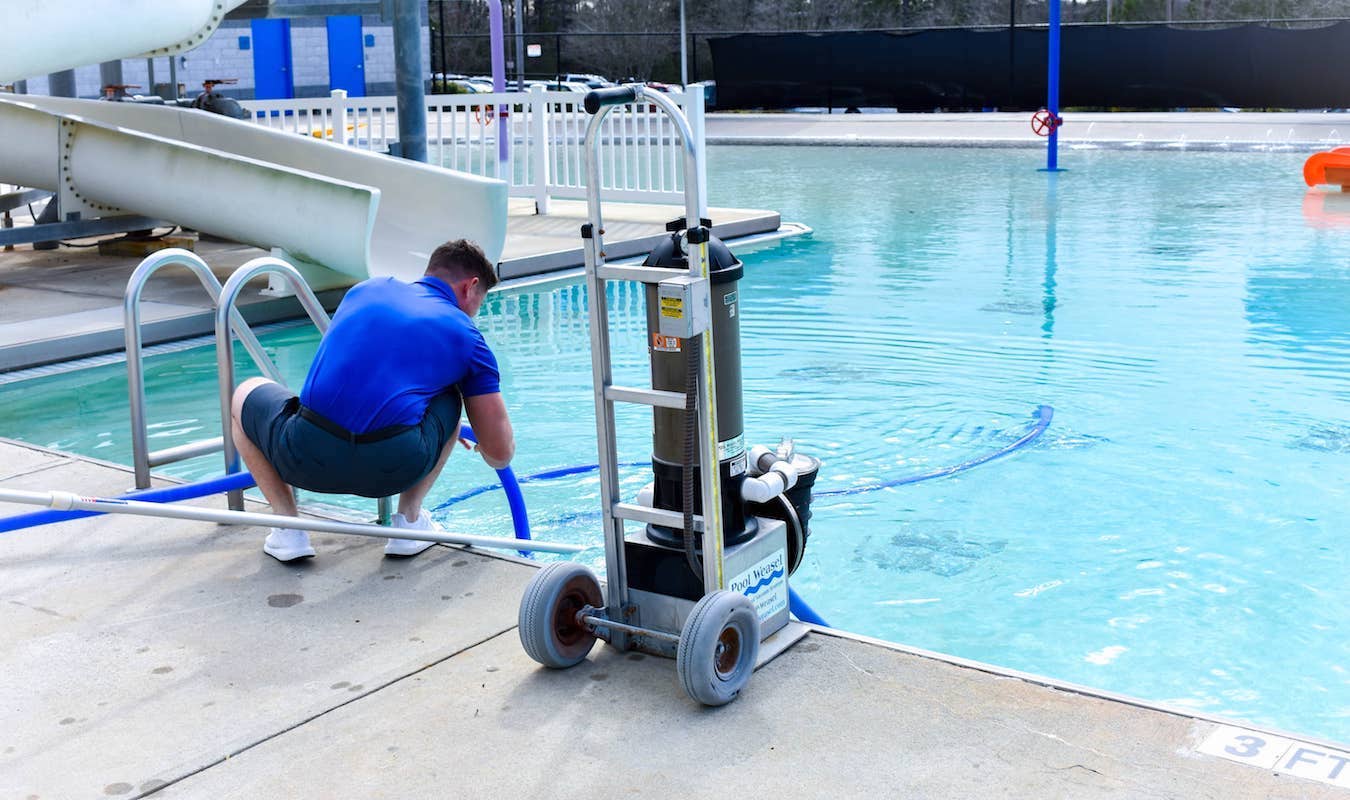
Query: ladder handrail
x=142 y=458
x=225 y=317
x=602 y=371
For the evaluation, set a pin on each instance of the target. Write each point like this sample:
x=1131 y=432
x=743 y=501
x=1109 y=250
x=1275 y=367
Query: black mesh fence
x=615 y=56
x=1287 y=64
x=1115 y=66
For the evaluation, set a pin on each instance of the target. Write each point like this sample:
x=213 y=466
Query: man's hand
x=497 y=465
x=490 y=461
x=487 y=415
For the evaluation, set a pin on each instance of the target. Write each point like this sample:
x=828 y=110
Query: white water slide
x=361 y=214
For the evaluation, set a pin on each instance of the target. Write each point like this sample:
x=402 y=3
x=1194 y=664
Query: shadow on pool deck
x=174 y=658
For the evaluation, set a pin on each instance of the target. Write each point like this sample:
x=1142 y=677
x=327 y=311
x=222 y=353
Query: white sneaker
x=288 y=544
x=405 y=548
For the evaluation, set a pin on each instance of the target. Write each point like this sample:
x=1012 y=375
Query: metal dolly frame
x=562 y=611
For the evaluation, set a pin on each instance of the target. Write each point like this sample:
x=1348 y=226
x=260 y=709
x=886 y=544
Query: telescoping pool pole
x=69 y=501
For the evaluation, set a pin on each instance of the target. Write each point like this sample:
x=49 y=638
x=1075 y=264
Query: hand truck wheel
x=718 y=648
x=548 y=625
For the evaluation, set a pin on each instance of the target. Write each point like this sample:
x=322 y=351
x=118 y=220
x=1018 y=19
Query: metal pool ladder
x=228 y=324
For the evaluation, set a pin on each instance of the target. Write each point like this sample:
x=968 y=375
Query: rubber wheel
x=549 y=630
x=718 y=648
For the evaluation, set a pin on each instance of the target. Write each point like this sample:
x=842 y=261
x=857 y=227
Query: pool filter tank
x=765 y=494
x=669 y=364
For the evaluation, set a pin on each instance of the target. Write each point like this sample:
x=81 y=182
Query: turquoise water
x=1178 y=533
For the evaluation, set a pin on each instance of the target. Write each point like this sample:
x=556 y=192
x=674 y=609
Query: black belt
x=337 y=430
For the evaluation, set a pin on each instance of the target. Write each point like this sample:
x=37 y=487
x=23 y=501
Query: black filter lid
x=723 y=265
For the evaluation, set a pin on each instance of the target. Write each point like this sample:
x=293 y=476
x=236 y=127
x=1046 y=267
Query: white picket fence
x=641 y=156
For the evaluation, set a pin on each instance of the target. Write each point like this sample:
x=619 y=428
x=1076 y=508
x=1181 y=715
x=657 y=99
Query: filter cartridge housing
x=669 y=372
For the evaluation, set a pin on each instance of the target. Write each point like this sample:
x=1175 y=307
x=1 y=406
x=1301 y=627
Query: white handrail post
x=339 y=115
x=693 y=111
x=538 y=155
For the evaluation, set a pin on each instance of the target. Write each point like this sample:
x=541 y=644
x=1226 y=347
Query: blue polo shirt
x=392 y=347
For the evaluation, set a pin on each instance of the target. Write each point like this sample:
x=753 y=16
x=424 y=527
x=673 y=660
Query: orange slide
x=1329 y=167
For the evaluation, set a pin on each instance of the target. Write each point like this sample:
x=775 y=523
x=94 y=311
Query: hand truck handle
x=597 y=99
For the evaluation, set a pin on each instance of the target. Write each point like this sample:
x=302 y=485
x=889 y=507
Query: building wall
x=223 y=56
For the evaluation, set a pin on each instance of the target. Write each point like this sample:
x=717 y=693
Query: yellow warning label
x=665 y=344
x=672 y=307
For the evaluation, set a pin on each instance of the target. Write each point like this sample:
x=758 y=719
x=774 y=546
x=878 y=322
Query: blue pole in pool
x=1052 y=98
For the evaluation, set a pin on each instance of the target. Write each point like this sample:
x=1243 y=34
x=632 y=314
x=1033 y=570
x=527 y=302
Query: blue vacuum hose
x=167 y=494
x=802 y=611
x=515 y=499
x=520 y=518
x=242 y=480
x=799 y=608
x=1043 y=416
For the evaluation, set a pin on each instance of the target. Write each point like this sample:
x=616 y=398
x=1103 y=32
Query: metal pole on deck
x=499 y=85
x=440 y=34
x=520 y=45
x=408 y=79
x=61 y=84
x=110 y=74
x=684 y=53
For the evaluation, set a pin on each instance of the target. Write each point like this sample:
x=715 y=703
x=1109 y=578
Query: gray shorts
x=314 y=453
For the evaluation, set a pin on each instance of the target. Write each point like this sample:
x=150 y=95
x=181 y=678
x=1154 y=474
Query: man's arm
x=487 y=415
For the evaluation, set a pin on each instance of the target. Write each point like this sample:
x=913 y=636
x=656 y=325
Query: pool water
x=1177 y=534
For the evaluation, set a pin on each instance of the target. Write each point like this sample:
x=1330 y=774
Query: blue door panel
x=272 y=76
x=346 y=56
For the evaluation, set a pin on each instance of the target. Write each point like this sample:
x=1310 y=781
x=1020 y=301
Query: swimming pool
x=1177 y=534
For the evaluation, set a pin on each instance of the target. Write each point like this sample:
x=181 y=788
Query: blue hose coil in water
x=515 y=499
x=1043 y=416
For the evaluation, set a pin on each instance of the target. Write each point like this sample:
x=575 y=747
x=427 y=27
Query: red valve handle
x=1044 y=123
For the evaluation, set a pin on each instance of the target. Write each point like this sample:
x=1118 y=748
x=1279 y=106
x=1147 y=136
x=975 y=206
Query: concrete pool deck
x=174 y=659
x=1236 y=131
x=63 y=304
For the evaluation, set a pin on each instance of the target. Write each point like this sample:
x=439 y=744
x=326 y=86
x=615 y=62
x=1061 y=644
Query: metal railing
x=640 y=149
x=142 y=457
x=229 y=323
x=227 y=318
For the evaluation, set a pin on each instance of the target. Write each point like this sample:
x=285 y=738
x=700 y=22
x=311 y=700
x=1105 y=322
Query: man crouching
x=379 y=412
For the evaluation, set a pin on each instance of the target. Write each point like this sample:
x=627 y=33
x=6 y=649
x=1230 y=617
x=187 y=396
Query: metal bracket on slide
x=72 y=204
x=319 y=277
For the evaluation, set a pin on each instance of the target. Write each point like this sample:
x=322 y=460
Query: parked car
x=570 y=86
x=450 y=83
x=591 y=81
